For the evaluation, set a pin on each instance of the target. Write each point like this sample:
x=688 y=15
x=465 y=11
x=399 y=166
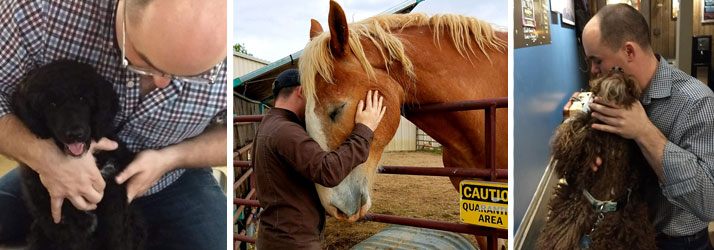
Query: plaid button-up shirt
x=37 y=32
x=683 y=109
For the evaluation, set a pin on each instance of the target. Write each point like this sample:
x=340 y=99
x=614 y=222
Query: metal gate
x=490 y=173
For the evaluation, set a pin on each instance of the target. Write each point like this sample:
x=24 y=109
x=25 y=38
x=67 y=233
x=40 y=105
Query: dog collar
x=602 y=207
x=607 y=206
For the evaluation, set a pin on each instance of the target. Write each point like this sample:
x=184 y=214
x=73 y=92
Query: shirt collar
x=660 y=86
x=288 y=114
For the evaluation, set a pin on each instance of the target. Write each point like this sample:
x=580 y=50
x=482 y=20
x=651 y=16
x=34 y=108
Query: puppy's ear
x=27 y=107
x=104 y=108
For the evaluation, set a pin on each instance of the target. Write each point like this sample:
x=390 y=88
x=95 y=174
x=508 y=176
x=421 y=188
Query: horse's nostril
x=348 y=209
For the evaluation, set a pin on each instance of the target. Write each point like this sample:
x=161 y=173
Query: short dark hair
x=285 y=92
x=620 y=23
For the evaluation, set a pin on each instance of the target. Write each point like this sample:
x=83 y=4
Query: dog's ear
x=28 y=107
x=633 y=89
x=104 y=107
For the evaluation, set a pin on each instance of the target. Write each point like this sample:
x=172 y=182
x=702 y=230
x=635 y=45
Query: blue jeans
x=698 y=241
x=188 y=214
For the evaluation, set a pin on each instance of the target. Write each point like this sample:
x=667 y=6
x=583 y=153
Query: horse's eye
x=336 y=111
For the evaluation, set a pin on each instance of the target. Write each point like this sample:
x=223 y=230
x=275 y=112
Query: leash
x=602 y=207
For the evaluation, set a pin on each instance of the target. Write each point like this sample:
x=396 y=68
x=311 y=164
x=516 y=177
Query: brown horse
x=411 y=60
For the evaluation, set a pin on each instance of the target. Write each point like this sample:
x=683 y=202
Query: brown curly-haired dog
x=572 y=217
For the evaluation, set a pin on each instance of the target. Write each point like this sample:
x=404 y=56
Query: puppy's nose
x=76 y=133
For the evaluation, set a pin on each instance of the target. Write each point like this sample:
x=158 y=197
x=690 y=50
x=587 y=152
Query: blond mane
x=317 y=57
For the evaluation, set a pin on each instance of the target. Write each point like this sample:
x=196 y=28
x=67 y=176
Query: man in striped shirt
x=673 y=125
x=166 y=61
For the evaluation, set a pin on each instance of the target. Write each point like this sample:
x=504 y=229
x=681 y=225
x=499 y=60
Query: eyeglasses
x=153 y=73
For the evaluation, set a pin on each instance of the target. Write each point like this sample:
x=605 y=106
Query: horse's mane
x=317 y=57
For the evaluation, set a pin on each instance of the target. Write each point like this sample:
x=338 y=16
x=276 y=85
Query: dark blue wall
x=544 y=78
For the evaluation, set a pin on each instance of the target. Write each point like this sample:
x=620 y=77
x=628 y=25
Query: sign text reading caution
x=484 y=203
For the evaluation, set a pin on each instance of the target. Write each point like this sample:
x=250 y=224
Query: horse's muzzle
x=351 y=198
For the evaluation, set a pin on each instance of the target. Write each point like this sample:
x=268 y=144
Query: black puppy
x=70 y=103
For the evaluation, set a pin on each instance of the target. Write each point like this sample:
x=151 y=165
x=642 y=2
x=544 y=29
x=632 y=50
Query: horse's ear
x=339 y=35
x=315 y=28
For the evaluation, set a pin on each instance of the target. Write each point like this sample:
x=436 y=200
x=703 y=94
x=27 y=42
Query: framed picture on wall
x=565 y=8
x=675 y=9
x=707 y=11
x=634 y=3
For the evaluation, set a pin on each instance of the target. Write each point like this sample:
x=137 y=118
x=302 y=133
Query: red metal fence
x=489 y=173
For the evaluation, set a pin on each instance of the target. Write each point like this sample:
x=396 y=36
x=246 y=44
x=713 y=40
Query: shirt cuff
x=679 y=168
x=363 y=131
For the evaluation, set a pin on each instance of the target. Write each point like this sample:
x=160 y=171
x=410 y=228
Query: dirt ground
x=424 y=197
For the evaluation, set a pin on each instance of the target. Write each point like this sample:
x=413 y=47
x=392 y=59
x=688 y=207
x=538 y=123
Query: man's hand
x=618 y=120
x=146 y=169
x=373 y=111
x=634 y=124
x=74 y=178
x=631 y=123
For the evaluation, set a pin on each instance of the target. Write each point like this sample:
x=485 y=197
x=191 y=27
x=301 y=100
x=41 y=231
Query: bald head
x=618 y=36
x=620 y=23
x=180 y=37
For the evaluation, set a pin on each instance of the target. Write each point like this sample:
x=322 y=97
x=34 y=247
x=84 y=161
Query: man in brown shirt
x=288 y=163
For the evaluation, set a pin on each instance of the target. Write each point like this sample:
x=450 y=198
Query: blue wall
x=544 y=79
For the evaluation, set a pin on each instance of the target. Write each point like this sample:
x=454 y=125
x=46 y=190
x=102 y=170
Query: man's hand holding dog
x=632 y=124
x=146 y=169
x=74 y=178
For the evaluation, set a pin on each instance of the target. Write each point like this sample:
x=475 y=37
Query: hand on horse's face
x=370 y=114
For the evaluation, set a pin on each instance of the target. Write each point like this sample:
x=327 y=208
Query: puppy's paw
x=108 y=170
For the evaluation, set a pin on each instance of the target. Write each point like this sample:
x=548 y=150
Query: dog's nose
x=76 y=133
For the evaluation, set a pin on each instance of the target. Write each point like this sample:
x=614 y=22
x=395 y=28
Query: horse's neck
x=444 y=75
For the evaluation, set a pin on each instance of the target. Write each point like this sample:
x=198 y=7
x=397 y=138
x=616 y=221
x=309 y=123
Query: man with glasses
x=166 y=59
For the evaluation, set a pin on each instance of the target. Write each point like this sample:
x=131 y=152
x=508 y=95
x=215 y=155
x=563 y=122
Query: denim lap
x=188 y=214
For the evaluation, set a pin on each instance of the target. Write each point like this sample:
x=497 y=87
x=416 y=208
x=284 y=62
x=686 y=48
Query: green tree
x=239 y=47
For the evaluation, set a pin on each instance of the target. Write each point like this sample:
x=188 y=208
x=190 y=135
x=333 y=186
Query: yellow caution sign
x=484 y=203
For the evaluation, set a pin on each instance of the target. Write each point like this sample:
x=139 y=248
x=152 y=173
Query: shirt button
x=130 y=84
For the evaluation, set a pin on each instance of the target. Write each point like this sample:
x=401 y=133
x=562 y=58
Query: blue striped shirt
x=682 y=108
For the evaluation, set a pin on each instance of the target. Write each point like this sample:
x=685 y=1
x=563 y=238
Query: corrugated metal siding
x=424 y=141
x=405 y=137
x=397 y=237
x=244 y=133
x=244 y=64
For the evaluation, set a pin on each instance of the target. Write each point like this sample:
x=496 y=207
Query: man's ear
x=299 y=92
x=629 y=49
